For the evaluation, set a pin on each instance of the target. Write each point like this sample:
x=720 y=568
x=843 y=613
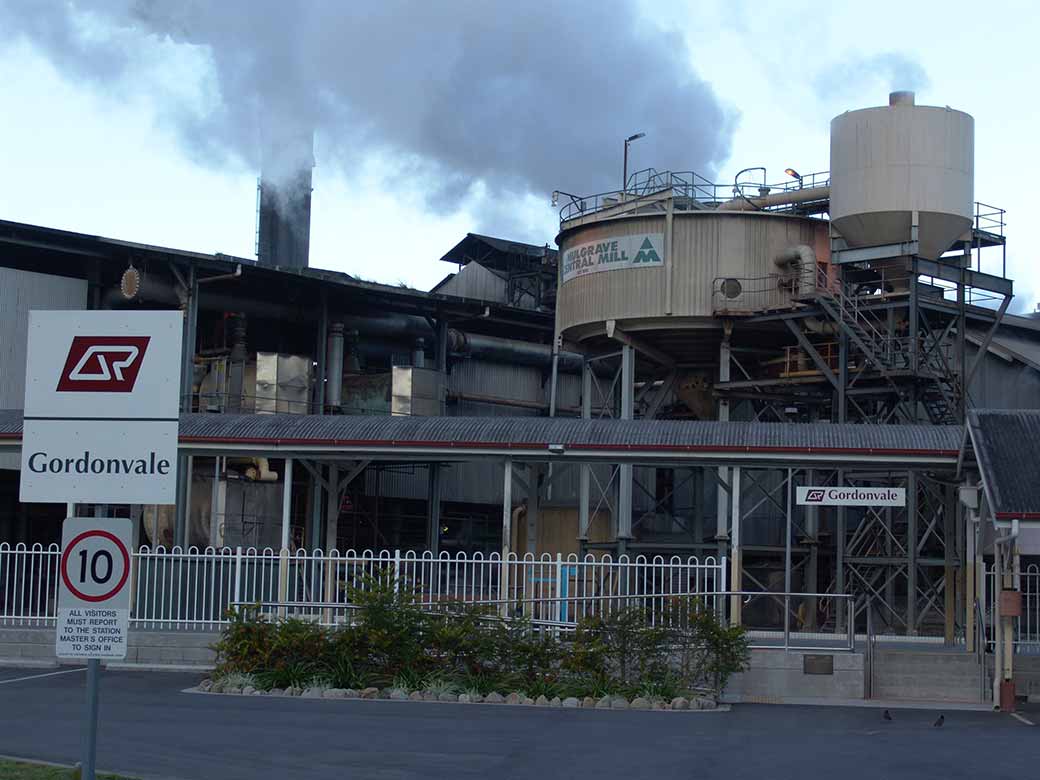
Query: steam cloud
x=857 y=74
x=463 y=96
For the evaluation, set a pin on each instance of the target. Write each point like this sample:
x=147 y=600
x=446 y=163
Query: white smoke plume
x=859 y=74
x=505 y=97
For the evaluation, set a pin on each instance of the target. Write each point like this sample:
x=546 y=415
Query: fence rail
x=1027 y=627
x=194 y=588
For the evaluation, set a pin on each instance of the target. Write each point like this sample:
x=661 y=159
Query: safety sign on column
x=94 y=588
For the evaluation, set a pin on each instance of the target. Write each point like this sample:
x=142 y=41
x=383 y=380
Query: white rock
x=570 y=701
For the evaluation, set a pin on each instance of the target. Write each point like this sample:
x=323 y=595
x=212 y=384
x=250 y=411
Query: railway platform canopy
x=535 y=439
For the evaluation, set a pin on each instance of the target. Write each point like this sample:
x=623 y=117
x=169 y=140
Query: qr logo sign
x=815 y=496
x=103 y=364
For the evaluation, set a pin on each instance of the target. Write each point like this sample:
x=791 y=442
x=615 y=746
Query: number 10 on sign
x=94 y=592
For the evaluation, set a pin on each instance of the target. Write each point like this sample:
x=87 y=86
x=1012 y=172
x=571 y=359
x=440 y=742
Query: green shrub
x=393 y=642
x=708 y=651
x=388 y=624
x=621 y=647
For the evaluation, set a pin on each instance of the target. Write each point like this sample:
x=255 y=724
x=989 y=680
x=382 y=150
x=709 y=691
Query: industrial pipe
x=155 y=291
x=502 y=350
x=785 y=198
x=334 y=388
x=261 y=471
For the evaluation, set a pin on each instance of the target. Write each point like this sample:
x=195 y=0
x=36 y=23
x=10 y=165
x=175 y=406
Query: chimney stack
x=284 y=230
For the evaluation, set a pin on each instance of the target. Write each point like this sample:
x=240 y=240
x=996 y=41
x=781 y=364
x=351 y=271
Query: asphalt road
x=150 y=729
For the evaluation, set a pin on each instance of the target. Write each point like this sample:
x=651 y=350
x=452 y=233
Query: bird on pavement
x=938 y=723
x=887 y=715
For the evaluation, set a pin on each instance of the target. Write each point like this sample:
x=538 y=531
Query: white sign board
x=850 y=496
x=101 y=407
x=94 y=588
x=644 y=250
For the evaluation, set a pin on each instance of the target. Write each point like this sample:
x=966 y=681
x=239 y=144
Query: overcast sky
x=136 y=118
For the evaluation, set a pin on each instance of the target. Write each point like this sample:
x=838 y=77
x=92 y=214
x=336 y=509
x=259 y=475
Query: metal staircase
x=891 y=354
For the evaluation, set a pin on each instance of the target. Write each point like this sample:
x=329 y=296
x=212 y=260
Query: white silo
x=890 y=161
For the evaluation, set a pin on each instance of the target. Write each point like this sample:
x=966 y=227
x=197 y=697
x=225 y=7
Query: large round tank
x=890 y=161
x=629 y=269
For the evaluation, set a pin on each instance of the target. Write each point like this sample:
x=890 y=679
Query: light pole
x=624 y=170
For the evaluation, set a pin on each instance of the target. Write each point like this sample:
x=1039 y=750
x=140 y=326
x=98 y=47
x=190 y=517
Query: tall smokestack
x=284 y=231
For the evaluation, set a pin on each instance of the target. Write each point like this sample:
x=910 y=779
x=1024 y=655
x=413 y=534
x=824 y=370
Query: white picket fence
x=194 y=588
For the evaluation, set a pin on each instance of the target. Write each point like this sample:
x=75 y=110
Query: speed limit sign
x=94 y=588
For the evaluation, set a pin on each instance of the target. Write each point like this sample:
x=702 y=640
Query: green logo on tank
x=646 y=253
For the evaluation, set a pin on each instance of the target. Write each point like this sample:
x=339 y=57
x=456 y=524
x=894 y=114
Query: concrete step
x=918 y=675
x=912 y=682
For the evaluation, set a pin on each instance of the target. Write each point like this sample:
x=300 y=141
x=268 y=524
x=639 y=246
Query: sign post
x=93 y=604
x=102 y=398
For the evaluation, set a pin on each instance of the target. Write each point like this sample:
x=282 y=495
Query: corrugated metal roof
x=537 y=433
x=475 y=246
x=1007 y=449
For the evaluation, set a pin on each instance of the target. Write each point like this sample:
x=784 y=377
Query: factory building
x=714 y=347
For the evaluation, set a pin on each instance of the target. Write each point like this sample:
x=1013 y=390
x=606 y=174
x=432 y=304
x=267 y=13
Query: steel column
x=433 y=509
x=911 y=551
x=736 y=561
x=584 y=474
x=332 y=510
x=286 y=501
x=624 y=523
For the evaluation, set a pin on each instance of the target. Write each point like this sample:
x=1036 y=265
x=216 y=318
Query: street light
x=624 y=171
x=794 y=175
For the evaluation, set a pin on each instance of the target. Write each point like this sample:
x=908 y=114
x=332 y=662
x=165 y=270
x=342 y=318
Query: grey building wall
x=475 y=281
x=21 y=291
x=1001 y=384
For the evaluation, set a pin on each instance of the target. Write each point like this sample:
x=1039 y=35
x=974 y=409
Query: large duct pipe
x=785 y=198
x=402 y=329
x=334 y=388
x=501 y=350
x=158 y=291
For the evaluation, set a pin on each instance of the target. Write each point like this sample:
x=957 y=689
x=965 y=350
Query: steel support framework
x=880 y=342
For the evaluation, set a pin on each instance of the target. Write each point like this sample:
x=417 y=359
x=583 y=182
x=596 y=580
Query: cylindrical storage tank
x=652 y=273
x=890 y=161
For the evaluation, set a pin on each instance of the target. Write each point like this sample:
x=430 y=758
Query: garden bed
x=629 y=657
x=243 y=685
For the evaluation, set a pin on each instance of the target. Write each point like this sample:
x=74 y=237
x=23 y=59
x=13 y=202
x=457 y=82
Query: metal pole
x=787 y=565
x=584 y=473
x=911 y=554
x=286 y=501
x=90 y=742
x=624 y=525
x=433 y=508
x=736 y=559
x=839 y=560
x=507 y=531
x=624 y=171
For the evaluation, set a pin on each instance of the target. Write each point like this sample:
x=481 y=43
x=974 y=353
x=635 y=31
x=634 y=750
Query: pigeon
x=887 y=715
x=938 y=723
